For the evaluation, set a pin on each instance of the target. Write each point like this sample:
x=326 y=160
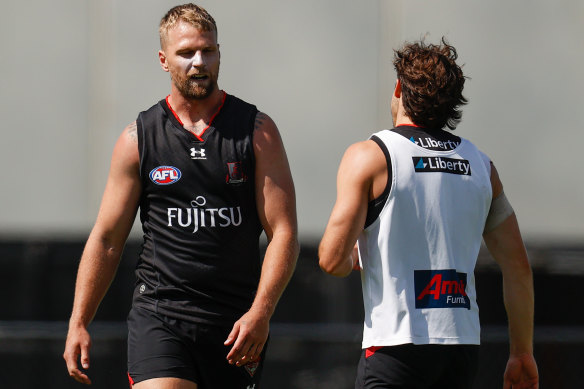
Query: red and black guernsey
x=200 y=259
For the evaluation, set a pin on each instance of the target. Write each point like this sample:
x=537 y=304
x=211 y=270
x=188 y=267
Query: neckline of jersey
x=447 y=152
x=199 y=136
x=410 y=125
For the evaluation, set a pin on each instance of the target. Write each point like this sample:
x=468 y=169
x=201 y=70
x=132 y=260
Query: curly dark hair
x=431 y=84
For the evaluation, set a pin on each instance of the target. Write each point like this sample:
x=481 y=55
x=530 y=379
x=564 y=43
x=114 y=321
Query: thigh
x=157 y=350
x=165 y=383
x=214 y=370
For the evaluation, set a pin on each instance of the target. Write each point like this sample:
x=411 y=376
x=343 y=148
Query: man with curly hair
x=419 y=201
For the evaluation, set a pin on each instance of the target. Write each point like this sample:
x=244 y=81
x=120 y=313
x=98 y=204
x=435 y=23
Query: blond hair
x=189 y=13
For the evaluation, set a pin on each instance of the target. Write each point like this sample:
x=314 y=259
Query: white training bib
x=418 y=256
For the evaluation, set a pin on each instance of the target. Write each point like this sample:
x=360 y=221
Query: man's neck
x=400 y=118
x=403 y=120
x=195 y=112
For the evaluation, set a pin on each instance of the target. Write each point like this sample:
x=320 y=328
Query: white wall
x=43 y=111
x=524 y=59
x=75 y=73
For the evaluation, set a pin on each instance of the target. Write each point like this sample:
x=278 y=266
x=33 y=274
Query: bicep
x=353 y=187
x=500 y=208
x=275 y=194
x=122 y=192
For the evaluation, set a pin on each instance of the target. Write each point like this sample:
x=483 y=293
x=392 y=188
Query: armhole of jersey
x=487 y=161
x=141 y=143
x=488 y=167
x=254 y=114
x=376 y=205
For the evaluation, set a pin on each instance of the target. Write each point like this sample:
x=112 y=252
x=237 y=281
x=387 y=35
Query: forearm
x=336 y=254
x=506 y=246
x=519 y=304
x=277 y=269
x=96 y=271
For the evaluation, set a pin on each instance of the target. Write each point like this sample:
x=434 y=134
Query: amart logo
x=440 y=289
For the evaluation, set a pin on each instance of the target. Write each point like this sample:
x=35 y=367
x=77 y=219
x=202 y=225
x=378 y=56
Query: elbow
x=296 y=248
x=523 y=269
x=325 y=266
x=335 y=271
x=330 y=265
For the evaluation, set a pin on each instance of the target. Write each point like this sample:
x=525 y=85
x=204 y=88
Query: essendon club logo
x=235 y=173
x=441 y=165
x=252 y=367
x=440 y=289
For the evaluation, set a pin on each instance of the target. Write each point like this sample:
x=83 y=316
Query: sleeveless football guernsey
x=200 y=259
x=418 y=256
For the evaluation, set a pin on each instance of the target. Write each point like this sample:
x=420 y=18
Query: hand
x=248 y=336
x=78 y=344
x=521 y=373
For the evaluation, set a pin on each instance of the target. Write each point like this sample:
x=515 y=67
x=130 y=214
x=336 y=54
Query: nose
x=198 y=58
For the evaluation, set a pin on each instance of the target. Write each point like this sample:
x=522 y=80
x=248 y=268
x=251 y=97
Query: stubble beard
x=194 y=90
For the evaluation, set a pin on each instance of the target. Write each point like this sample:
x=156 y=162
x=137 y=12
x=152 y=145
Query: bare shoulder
x=364 y=155
x=363 y=149
x=267 y=141
x=363 y=168
x=265 y=128
x=128 y=139
x=131 y=132
x=126 y=148
x=262 y=120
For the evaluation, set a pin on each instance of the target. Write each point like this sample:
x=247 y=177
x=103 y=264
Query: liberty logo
x=432 y=144
x=197 y=217
x=440 y=289
x=198 y=154
x=441 y=165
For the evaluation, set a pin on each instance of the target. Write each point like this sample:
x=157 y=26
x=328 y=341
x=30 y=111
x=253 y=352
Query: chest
x=173 y=159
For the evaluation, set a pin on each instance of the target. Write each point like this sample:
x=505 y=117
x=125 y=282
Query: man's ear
x=397 y=89
x=162 y=59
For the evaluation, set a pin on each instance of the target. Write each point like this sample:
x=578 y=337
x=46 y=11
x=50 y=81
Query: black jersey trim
x=376 y=205
x=428 y=135
x=252 y=128
x=141 y=143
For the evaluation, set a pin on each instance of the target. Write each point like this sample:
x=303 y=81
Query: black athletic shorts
x=409 y=366
x=159 y=346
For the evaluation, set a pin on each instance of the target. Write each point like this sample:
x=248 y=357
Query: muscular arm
x=361 y=177
x=103 y=249
x=276 y=204
x=506 y=246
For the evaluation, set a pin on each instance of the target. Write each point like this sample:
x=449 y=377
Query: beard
x=195 y=89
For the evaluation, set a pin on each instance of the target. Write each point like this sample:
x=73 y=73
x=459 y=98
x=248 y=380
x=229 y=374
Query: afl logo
x=165 y=175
